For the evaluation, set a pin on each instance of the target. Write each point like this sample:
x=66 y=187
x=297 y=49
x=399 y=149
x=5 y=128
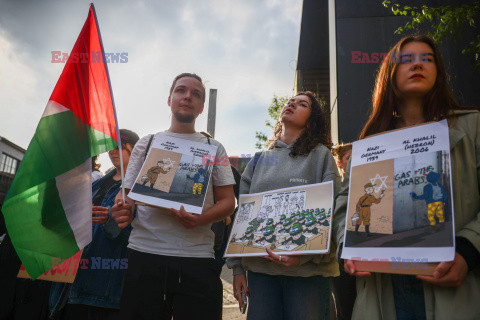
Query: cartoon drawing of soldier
x=434 y=195
x=363 y=207
x=249 y=235
x=301 y=218
x=153 y=172
x=269 y=236
x=286 y=225
x=310 y=225
x=199 y=179
x=279 y=224
x=296 y=235
x=269 y=222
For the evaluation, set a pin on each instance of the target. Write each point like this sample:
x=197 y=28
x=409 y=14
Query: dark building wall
x=313 y=44
x=365 y=30
x=312 y=72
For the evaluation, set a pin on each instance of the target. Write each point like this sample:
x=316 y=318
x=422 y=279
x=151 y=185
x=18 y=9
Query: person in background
x=96 y=174
x=286 y=286
x=344 y=288
x=96 y=291
x=411 y=88
x=342 y=154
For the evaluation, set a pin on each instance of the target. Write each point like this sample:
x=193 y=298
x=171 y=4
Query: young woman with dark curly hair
x=290 y=287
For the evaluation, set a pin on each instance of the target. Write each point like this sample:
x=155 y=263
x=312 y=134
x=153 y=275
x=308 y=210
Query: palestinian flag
x=48 y=207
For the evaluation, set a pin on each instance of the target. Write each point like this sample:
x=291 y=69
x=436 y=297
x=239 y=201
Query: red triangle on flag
x=84 y=85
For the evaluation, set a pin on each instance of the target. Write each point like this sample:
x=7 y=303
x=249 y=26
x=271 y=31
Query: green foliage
x=447 y=22
x=274 y=111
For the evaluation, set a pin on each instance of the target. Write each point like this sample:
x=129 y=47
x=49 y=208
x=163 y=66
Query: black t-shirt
x=107 y=183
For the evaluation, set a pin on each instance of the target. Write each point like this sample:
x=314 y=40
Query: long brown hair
x=315 y=132
x=438 y=102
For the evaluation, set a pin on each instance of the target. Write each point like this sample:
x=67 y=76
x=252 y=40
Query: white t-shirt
x=154 y=229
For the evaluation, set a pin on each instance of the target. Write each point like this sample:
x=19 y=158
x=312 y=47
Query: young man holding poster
x=171 y=266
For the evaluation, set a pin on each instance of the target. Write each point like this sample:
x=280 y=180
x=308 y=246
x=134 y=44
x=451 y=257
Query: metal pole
x=212 y=111
x=332 y=42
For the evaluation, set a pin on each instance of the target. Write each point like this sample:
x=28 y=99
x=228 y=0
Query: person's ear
x=128 y=147
x=169 y=101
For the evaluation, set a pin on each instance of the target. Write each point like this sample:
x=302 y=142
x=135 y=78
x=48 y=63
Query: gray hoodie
x=276 y=169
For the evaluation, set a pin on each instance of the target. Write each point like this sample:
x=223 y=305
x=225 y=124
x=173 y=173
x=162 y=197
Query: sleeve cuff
x=111 y=227
x=466 y=249
x=238 y=269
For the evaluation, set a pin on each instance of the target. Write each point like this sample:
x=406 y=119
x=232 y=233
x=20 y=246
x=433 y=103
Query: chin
x=184 y=118
x=418 y=91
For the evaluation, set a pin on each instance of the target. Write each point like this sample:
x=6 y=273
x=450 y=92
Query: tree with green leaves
x=446 y=22
x=274 y=111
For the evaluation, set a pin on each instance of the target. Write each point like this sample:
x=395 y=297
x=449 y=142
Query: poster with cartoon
x=291 y=221
x=400 y=201
x=176 y=172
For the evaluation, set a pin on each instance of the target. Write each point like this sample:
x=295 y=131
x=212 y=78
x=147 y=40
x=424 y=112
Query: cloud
x=19 y=95
x=245 y=49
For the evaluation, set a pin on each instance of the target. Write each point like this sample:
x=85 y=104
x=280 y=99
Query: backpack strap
x=256 y=157
x=207 y=135
x=148 y=146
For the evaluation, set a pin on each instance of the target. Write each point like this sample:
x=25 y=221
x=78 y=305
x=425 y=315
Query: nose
x=417 y=62
x=417 y=66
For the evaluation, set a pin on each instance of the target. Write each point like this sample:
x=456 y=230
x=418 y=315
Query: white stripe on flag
x=53 y=108
x=75 y=190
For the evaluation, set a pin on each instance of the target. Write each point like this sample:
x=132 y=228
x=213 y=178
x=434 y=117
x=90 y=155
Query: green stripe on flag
x=62 y=142
x=39 y=229
x=34 y=215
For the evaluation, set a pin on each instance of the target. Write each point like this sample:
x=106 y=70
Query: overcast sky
x=246 y=49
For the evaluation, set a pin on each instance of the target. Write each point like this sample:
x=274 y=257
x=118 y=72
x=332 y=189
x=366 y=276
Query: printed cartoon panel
x=175 y=177
x=412 y=175
x=158 y=171
x=371 y=198
x=414 y=210
x=414 y=218
x=295 y=220
x=176 y=173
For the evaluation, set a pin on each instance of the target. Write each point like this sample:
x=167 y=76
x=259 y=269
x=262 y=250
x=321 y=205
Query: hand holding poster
x=176 y=172
x=291 y=221
x=400 y=202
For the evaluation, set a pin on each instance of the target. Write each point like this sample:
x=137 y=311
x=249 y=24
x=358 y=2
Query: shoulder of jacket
x=467 y=115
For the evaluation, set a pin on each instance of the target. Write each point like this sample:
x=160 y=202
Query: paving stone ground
x=230 y=304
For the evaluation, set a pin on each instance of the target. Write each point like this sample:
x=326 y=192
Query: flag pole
x=120 y=151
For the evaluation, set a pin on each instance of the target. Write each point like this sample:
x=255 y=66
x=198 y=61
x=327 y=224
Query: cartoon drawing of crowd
x=286 y=232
